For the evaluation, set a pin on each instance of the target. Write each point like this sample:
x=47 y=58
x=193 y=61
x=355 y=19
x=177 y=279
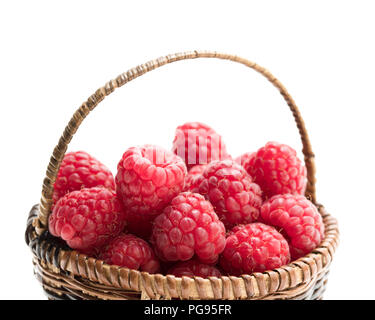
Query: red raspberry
x=299 y=220
x=254 y=247
x=80 y=170
x=277 y=170
x=193 y=174
x=197 y=143
x=230 y=189
x=127 y=250
x=244 y=159
x=188 y=226
x=193 y=268
x=148 y=178
x=88 y=218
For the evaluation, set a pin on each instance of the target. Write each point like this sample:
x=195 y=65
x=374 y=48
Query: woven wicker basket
x=67 y=274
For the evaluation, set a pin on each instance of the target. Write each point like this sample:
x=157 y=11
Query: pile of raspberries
x=192 y=211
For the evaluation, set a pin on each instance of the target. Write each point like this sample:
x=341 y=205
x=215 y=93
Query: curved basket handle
x=41 y=221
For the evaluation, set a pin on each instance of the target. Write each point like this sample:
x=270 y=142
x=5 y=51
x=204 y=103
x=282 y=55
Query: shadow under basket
x=67 y=274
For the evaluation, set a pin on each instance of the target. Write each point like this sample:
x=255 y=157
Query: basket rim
x=296 y=274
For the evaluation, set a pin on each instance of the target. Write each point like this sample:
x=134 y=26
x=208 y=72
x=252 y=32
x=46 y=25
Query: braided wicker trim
x=60 y=267
x=58 y=154
x=79 y=288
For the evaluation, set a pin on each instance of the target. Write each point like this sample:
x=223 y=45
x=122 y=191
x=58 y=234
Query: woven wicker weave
x=67 y=274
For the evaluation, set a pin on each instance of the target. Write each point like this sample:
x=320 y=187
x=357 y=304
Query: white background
x=53 y=56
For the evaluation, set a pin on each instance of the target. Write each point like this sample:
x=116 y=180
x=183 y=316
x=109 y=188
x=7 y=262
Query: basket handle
x=41 y=222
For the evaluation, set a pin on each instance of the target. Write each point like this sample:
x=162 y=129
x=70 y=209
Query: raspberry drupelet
x=148 y=178
x=298 y=219
x=197 y=143
x=231 y=191
x=127 y=250
x=80 y=170
x=254 y=247
x=194 y=268
x=277 y=170
x=188 y=227
x=88 y=218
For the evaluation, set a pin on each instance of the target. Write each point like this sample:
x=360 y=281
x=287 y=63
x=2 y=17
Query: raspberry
x=148 y=178
x=80 y=170
x=88 y=218
x=193 y=174
x=254 y=247
x=193 y=268
x=277 y=170
x=230 y=189
x=127 y=250
x=197 y=143
x=244 y=159
x=188 y=226
x=299 y=220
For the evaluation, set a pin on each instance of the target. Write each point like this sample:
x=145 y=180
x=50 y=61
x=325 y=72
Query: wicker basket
x=67 y=274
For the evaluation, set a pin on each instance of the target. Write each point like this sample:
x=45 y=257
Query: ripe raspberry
x=193 y=268
x=277 y=170
x=127 y=250
x=86 y=219
x=244 y=159
x=80 y=170
x=197 y=143
x=230 y=189
x=188 y=226
x=299 y=220
x=193 y=174
x=148 y=178
x=254 y=247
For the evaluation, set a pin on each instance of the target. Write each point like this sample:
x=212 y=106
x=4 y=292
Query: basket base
x=74 y=278
x=67 y=287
